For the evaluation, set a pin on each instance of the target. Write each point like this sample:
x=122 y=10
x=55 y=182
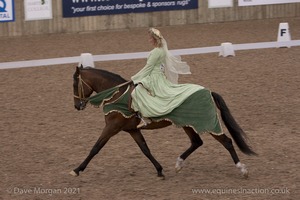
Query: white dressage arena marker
x=86 y=60
x=283 y=34
x=226 y=49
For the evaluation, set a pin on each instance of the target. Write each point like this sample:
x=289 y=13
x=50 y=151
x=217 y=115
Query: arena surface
x=43 y=137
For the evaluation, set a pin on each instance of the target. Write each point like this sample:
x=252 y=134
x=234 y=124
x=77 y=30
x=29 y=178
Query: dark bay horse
x=89 y=80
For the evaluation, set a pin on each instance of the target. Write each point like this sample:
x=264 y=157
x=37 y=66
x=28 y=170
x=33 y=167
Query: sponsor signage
x=220 y=3
x=265 y=2
x=7 y=11
x=77 y=8
x=38 y=9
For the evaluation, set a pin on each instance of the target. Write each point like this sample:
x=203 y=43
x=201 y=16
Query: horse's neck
x=99 y=87
x=100 y=82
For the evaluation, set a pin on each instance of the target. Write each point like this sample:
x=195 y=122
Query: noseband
x=81 y=84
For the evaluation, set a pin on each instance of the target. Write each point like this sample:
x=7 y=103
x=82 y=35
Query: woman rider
x=157 y=92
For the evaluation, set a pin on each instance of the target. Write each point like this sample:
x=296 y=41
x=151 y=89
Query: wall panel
x=123 y=21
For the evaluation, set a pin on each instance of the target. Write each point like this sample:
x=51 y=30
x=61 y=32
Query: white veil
x=173 y=65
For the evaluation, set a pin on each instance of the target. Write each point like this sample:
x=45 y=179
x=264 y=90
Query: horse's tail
x=234 y=129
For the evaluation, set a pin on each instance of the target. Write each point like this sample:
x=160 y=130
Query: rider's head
x=155 y=37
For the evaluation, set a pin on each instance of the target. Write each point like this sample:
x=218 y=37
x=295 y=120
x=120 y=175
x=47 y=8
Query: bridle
x=81 y=84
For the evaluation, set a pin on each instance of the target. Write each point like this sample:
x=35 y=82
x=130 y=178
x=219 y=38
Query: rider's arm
x=151 y=61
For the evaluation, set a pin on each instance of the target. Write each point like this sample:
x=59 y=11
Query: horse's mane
x=109 y=75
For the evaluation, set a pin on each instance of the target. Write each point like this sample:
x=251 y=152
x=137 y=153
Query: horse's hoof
x=179 y=165
x=243 y=169
x=161 y=177
x=245 y=173
x=73 y=173
x=178 y=169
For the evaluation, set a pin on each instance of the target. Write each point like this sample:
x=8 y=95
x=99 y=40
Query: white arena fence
x=139 y=55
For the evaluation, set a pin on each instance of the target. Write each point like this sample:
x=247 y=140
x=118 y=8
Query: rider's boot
x=144 y=121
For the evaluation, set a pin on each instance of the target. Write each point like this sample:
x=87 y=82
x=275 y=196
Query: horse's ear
x=77 y=70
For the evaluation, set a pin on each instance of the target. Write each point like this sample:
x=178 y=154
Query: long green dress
x=155 y=95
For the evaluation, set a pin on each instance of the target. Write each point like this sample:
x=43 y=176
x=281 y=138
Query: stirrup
x=142 y=124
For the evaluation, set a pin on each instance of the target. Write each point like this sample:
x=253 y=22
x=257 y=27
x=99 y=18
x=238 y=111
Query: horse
x=88 y=80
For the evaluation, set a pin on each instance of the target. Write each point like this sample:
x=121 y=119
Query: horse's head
x=81 y=88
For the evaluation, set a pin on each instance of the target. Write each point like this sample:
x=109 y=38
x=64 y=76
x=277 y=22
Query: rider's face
x=152 y=40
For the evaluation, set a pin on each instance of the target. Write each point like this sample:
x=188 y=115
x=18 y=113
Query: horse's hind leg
x=227 y=143
x=140 y=140
x=196 y=142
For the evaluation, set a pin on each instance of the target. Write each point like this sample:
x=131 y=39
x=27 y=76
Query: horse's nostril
x=82 y=105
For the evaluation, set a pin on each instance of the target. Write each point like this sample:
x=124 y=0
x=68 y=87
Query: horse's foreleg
x=227 y=143
x=103 y=139
x=140 y=140
x=196 y=142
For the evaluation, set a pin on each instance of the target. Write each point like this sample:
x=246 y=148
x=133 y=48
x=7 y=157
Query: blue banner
x=78 y=8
